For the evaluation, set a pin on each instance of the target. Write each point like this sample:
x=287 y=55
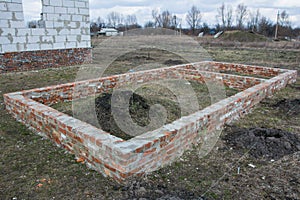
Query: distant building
x=108 y=32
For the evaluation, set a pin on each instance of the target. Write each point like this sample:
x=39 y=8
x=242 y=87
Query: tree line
x=246 y=19
x=227 y=17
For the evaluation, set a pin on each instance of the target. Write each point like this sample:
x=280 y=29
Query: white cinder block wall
x=66 y=23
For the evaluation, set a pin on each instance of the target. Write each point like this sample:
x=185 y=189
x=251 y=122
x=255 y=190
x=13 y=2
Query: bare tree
x=131 y=20
x=284 y=19
x=221 y=14
x=149 y=24
x=229 y=15
x=193 y=18
x=254 y=20
x=163 y=19
x=174 y=21
x=156 y=17
x=266 y=27
x=225 y=13
x=241 y=14
x=100 y=22
x=115 y=18
x=166 y=19
x=285 y=28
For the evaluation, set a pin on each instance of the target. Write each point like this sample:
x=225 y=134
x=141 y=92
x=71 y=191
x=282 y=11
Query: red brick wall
x=121 y=159
x=32 y=60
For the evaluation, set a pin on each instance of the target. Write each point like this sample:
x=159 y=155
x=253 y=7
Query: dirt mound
x=139 y=108
x=289 y=106
x=171 y=62
x=263 y=142
x=242 y=36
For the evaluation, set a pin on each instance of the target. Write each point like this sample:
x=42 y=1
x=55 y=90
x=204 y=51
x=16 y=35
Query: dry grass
x=33 y=168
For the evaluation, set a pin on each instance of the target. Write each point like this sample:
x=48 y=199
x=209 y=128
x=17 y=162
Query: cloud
x=96 y=4
x=286 y=4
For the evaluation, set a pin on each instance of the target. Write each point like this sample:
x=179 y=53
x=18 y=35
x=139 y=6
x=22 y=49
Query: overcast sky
x=142 y=8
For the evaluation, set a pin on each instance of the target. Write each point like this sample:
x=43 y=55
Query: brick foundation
x=114 y=157
x=42 y=59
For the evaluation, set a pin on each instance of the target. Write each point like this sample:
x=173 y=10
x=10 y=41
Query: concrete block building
x=62 y=37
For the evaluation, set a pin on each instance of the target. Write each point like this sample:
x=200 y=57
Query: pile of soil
x=138 y=108
x=171 y=62
x=242 y=36
x=263 y=142
x=289 y=106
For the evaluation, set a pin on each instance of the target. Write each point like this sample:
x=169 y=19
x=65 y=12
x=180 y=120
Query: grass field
x=32 y=167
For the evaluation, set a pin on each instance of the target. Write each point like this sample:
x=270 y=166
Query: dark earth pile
x=171 y=62
x=138 y=108
x=141 y=189
x=289 y=106
x=263 y=142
